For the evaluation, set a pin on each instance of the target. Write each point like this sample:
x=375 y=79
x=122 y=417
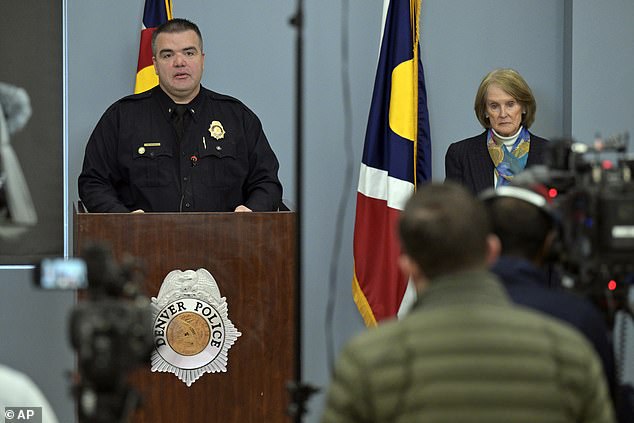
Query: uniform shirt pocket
x=223 y=165
x=151 y=166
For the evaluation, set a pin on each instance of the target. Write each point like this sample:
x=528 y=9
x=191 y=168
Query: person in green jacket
x=465 y=353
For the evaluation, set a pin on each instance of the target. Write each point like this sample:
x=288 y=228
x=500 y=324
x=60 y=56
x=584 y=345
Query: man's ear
x=412 y=270
x=407 y=265
x=550 y=249
x=494 y=247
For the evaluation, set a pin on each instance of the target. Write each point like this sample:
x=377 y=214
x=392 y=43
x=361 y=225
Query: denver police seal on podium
x=192 y=330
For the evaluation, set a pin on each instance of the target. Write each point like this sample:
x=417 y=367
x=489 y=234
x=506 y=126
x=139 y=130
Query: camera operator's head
x=444 y=229
x=522 y=220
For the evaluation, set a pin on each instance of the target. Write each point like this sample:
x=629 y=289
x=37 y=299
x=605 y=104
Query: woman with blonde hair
x=505 y=107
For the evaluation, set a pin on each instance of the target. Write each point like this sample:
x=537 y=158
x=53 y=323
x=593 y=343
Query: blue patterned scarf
x=509 y=163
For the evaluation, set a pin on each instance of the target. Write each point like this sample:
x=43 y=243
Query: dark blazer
x=468 y=161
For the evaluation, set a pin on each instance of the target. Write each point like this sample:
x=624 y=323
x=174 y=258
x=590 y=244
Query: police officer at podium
x=179 y=146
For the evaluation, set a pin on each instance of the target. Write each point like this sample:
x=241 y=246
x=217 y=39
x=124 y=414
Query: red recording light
x=607 y=165
x=612 y=285
x=552 y=193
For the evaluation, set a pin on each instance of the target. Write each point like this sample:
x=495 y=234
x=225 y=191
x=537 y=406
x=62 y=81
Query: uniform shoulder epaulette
x=223 y=97
x=135 y=97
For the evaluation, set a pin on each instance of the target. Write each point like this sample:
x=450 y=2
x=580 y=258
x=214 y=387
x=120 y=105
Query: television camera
x=591 y=188
x=110 y=330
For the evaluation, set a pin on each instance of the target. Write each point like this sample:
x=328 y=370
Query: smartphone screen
x=60 y=273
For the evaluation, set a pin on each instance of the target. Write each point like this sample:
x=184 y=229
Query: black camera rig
x=591 y=189
x=111 y=331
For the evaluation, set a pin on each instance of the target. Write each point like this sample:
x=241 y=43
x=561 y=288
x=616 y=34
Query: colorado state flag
x=156 y=12
x=396 y=157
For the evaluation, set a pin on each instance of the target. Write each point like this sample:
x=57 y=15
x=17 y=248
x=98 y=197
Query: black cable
x=346 y=186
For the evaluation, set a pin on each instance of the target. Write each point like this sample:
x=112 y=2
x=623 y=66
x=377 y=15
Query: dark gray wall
x=32 y=59
x=249 y=54
x=602 y=68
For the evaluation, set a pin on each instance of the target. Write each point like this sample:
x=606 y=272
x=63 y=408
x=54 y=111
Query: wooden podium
x=252 y=258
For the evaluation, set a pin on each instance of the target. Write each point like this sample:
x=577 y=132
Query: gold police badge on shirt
x=216 y=130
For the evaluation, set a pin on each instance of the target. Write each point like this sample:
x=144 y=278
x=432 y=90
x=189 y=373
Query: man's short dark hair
x=522 y=227
x=176 y=25
x=444 y=229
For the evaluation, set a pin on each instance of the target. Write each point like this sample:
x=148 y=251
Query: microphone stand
x=299 y=391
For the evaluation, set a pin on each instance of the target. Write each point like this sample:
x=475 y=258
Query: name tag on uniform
x=141 y=150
